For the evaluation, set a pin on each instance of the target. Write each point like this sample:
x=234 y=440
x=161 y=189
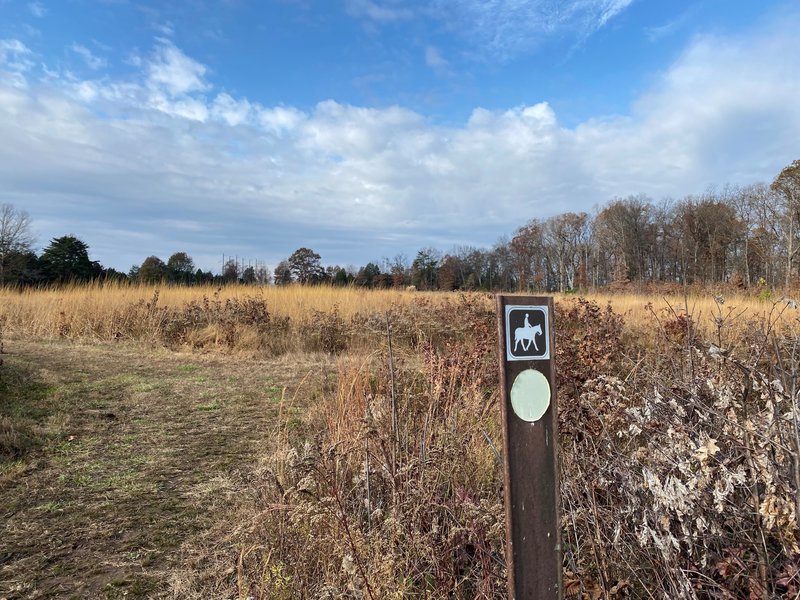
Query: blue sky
x=368 y=128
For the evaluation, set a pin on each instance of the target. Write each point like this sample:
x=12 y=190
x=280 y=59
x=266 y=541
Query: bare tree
x=16 y=238
x=708 y=228
x=625 y=232
x=527 y=253
x=565 y=235
x=787 y=186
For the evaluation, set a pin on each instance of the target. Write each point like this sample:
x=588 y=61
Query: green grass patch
x=134 y=587
x=208 y=406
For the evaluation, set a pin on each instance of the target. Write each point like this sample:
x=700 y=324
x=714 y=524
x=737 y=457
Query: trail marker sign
x=530 y=442
x=527 y=332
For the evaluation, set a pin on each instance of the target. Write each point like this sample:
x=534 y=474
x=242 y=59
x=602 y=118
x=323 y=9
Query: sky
x=364 y=129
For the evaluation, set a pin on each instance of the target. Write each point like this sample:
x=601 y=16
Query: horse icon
x=526 y=335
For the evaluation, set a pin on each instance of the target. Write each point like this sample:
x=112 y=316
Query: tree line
x=744 y=235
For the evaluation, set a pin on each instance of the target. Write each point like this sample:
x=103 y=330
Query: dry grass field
x=267 y=443
x=107 y=312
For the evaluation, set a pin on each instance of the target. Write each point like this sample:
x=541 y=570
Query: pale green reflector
x=530 y=395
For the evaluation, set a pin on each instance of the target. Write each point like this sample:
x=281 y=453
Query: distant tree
x=180 y=268
x=338 y=276
x=625 y=232
x=501 y=267
x=230 y=271
x=367 y=276
x=263 y=276
x=283 y=274
x=23 y=268
x=564 y=236
x=399 y=270
x=203 y=277
x=110 y=274
x=707 y=228
x=15 y=241
x=152 y=270
x=475 y=264
x=305 y=266
x=527 y=253
x=424 y=269
x=383 y=281
x=451 y=273
x=469 y=264
x=67 y=259
x=787 y=186
x=249 y=275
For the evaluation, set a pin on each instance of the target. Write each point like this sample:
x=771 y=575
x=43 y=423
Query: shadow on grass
x=23 y=410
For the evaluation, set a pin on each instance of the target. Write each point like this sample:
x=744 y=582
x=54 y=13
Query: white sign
x=527 y=335
x=530 y=395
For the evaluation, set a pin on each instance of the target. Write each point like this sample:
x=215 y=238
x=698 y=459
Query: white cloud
x=165 y=29
x=499 y=29
x=434 y=58
x=15 y=61
x=381 y=11
x=234 y=112
x=15 y=56
x=657 y=32
x=174 y=79
x=111 y=150
x=194 y=109
x=171 y=70
x=92 y=61
x=280 y=118
x=37 y=9
x=503 y=28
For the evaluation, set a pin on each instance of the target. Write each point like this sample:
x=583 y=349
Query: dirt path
x=132 y=444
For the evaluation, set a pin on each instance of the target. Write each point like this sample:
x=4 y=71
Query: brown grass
x=130 y=453
x=95 y=308
x=305 y=318
x=705 y=308
x=679 y=433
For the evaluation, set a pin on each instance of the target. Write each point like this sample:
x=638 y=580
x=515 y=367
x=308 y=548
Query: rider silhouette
x=527 y=323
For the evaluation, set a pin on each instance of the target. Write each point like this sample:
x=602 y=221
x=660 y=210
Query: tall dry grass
x=94 y=309
x=679 y=432
x=390 y=490
x=679 y=480
x=705 y=307
x=205 y=316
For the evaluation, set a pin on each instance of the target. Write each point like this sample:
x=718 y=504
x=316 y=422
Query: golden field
x=98 y=311
x=354 y=438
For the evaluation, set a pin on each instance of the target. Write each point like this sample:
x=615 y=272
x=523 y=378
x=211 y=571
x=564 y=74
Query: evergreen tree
x=67 y=259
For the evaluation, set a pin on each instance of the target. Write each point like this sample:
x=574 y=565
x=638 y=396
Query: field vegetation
x=239 y=317
x=313 y=442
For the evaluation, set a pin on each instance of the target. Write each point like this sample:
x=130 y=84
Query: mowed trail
x=135 y=447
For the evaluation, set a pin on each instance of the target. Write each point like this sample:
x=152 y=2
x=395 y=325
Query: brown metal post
x=530 y=441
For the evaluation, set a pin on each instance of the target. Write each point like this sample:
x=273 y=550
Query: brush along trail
x=117 y=458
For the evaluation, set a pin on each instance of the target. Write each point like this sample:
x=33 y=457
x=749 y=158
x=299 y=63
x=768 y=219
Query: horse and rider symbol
x=528 y=326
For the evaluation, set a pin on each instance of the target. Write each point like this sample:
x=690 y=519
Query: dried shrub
x=378 y=506
x=679 y=481
x=677 y=476
x=231 y=324
x=589 y=340
x=679 y=329
x=325 y=332
x=426 y=321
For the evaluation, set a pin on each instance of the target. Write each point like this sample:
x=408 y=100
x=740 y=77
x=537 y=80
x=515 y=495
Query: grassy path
x=130 y=450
